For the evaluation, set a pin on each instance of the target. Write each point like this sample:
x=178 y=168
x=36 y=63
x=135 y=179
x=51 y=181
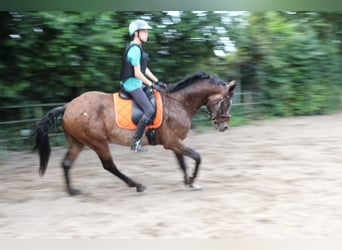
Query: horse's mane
x=189 y=80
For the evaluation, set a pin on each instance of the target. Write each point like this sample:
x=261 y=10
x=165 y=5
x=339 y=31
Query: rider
x=134 y=74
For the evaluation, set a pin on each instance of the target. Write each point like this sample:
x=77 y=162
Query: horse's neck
x=194 y=97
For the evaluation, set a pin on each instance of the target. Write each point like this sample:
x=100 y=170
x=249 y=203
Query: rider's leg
x=142 y=100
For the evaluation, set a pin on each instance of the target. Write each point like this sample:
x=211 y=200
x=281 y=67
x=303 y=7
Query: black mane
x=195 y=77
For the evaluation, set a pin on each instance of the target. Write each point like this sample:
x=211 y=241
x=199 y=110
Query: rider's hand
x=161 y=84
x=156 y=86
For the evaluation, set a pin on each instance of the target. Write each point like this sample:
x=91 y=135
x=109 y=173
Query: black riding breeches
x=141 y=99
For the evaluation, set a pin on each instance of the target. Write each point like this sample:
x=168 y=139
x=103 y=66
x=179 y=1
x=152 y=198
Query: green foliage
x=294 y=59
x=55 y=56
x=296 y=70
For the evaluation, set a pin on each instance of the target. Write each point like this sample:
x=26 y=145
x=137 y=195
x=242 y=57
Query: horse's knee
x=198 y=158
x=194 y=155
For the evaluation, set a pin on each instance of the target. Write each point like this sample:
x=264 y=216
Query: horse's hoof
x=188 y=180
x=140 y=188
x=191 y=180
x=74 y=192
x=195 y=187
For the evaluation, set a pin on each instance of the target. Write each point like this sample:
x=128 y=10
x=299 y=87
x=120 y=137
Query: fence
x=15 y=133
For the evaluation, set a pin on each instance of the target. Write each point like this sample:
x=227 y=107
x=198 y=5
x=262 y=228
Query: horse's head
x=219 y=106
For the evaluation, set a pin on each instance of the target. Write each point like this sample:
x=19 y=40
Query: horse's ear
x=231 y=85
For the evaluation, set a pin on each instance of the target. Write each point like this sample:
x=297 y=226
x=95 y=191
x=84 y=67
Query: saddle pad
x=123 y=112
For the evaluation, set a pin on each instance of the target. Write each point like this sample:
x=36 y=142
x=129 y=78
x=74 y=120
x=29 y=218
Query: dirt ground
x=266 y=180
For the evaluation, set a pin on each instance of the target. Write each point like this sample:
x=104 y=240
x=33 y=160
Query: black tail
x=42 y=137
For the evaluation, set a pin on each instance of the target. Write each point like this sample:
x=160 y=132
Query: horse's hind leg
x=75 y=147
x=109 y=165
x=104 y=154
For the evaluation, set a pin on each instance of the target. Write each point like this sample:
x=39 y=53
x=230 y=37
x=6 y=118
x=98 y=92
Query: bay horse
x=89 y=120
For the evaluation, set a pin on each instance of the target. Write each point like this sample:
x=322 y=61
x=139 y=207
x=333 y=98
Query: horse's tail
x=42 y=138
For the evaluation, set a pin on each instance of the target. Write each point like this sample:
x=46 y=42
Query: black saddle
x=137 y=112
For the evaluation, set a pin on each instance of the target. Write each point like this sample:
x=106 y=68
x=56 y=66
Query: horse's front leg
x=195 y=156
x=183 y=166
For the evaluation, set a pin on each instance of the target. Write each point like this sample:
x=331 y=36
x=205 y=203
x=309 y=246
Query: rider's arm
x=150 y=75
x=141 y=76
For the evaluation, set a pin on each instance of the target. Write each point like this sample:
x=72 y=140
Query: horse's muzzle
x=222 y=126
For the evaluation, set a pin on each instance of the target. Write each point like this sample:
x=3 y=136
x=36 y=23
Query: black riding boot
x=139 y=133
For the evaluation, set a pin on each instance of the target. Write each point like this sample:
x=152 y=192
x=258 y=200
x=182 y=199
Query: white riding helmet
x=138 y=25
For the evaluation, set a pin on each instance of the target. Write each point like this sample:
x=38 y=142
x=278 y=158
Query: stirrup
x=137 y=147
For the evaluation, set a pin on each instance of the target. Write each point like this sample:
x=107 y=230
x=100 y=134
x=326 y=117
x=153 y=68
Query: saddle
x=128 y=112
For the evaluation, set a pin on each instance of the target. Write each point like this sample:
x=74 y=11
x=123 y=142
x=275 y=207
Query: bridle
x=220 y=115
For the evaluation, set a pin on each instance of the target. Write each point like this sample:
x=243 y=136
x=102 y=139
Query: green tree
x=293 y=58
x=55 y=56
x=289 y=61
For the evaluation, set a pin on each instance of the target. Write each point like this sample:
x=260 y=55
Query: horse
x=89 y=120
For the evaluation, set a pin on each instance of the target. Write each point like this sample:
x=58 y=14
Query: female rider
x=135 y=74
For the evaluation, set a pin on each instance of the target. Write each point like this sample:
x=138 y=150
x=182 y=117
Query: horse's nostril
x=223 y=127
